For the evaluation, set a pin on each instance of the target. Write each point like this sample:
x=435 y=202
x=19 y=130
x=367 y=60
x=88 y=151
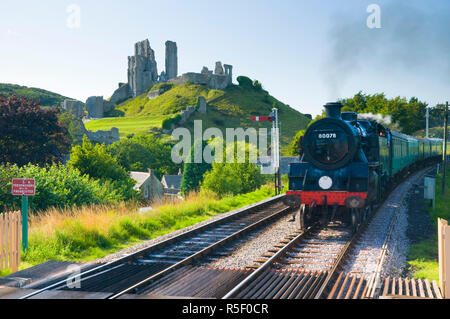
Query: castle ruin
x=143 y=75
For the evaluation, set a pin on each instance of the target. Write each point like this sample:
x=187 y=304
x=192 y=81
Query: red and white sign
x=263 y=118
x=23 y=186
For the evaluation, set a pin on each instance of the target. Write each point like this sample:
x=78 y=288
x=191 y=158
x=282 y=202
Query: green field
x=128 y=125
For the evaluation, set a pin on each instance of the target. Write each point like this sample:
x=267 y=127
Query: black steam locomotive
x=348 y=164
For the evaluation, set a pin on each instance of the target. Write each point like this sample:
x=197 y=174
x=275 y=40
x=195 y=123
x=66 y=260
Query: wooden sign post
x=24 y=187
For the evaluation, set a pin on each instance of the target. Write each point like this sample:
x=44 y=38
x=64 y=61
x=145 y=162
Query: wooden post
x=444 y=257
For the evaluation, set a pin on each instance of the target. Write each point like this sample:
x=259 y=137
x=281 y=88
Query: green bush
x=244 y=82
x=257 y=85
x=167 y=123
x=164 y=87
x=56 y=185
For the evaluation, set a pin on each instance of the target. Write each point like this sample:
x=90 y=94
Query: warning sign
x=23 y=186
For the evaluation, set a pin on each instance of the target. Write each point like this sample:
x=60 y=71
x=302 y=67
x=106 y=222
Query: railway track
x=301 y=269
x=311 y=265
x=127 y=274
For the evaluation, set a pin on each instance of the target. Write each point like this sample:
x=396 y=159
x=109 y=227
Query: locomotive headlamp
x=325 y=182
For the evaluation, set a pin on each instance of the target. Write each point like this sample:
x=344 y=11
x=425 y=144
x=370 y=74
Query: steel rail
x=204 y=251
x=244 y=284
x=110 y=265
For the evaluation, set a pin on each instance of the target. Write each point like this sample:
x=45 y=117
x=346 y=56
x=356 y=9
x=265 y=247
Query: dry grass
x=99 y=217
x=102 y=218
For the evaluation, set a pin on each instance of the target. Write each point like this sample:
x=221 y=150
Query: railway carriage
x=348 y=164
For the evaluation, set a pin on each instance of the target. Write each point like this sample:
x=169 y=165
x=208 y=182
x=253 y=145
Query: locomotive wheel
x=301 y=217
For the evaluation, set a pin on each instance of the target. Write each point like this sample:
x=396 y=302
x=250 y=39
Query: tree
x=407 y=116
x=30 y=134
x=94 y=161
x=193 y=172
x=233 y=178
x=142 y=152
x=294 y=146
x=74 y=126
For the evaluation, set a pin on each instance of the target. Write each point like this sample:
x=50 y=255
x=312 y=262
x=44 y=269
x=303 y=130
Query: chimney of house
x=151 y=171
x=179 y=171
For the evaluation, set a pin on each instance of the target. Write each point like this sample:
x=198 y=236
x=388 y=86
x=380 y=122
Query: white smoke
x=383 y=119
x=386 y=120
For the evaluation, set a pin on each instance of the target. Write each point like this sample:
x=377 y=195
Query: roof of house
x=172 y=181
x=140 y=178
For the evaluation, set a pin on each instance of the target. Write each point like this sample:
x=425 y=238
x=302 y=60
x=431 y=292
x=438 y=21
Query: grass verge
x=423 y=256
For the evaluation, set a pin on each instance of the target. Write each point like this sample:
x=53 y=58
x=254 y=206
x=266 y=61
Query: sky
x=305 y=53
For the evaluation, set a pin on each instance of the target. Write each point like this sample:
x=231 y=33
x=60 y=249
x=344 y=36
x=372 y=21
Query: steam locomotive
x=348 y=164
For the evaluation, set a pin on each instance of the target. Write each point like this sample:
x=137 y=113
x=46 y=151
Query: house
x=172 y=183
x=149 y=185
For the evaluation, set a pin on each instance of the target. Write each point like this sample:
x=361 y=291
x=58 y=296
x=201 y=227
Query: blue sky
x=305 y=53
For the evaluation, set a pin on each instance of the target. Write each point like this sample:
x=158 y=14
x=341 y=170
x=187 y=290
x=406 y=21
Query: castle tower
x=142 y=68
x=171 y=60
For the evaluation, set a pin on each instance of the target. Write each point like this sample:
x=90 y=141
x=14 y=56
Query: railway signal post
x=275 y=164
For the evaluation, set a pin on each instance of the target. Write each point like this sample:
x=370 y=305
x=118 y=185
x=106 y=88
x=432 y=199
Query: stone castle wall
x=219 y=80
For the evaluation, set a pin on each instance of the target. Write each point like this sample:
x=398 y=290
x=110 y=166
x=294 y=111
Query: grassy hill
x=46 y=98
x=229 y=108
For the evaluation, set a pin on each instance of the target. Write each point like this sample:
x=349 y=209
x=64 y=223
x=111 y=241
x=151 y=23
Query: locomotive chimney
x=333 y=110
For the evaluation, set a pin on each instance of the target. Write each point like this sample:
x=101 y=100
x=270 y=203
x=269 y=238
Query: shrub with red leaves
x=30 y=134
